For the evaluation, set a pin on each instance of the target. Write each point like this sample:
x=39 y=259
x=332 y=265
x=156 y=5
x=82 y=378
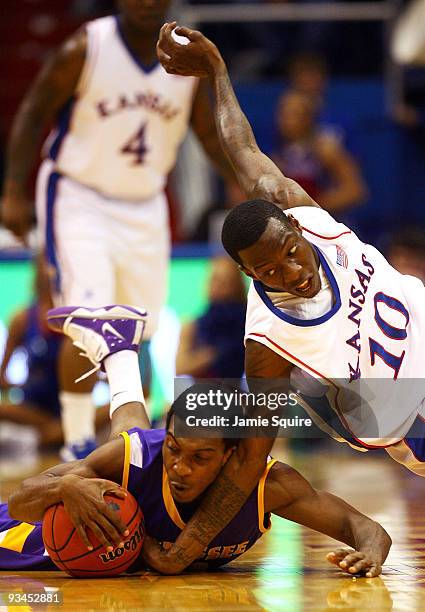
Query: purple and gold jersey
x=145 y=477
x=21 y=544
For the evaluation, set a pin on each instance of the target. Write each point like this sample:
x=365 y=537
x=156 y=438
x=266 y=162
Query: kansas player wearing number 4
x=324 y=308
x=101 y=209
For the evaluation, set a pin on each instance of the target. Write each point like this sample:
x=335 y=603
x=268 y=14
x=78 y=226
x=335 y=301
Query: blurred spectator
x=36 y=403
x=212 y=345
x=314 y=157
x=406 y=251
x=308 y=74
x=38 y=399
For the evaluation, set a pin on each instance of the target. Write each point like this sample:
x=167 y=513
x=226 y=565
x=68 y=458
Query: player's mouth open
x=305 y=286
x=178 y=486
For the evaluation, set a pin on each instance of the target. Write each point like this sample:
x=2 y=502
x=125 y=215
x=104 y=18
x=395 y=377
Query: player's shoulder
x=284 y=485
x=144 y=444
x=318 y=223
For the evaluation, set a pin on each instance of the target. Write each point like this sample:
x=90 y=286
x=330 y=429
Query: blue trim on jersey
x=64 y=119
x=305 y=322
x=137 y=60
x=52 y=187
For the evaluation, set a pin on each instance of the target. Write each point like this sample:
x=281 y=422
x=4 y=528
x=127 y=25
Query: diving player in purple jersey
x=167 y=474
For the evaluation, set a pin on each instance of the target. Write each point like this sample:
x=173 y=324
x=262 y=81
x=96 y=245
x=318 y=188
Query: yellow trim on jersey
x=127 y=455
x=15 y=538
x=169 y=504
x=260 y=493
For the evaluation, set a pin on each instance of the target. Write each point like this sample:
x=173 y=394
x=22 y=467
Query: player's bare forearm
x=204 y=126
x=53 y=86
x=223 y=500
x=30 y=501
x=257 y=175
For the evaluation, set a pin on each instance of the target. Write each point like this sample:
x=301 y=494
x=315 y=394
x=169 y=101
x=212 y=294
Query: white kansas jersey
x=363 y=349
x=121 y=131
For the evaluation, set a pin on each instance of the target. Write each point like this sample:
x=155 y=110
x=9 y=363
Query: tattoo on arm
x=207 y=522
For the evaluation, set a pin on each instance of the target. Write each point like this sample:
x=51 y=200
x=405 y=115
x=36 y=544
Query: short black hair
x=246 y=223
x=178 y=409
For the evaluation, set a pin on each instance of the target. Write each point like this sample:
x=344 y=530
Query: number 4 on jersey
x=136 y=146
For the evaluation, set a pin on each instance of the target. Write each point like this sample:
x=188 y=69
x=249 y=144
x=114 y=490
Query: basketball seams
x=132 y=523
x=53 y=535
x=90 y=552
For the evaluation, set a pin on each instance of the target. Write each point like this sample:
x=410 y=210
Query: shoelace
x=84 y=353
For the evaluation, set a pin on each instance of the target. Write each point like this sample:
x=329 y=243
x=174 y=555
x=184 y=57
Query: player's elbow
x=14 y=505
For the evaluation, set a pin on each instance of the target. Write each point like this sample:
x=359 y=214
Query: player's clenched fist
x=198 y=57
x=83 y=500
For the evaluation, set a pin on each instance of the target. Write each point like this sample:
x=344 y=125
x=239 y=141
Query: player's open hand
x=353 y=562
x=199 y=57
x=84 y=502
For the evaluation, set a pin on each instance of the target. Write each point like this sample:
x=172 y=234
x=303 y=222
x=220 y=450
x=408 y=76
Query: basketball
x=70 y=554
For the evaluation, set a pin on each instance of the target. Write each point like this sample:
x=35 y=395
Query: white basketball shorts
x=103 y=251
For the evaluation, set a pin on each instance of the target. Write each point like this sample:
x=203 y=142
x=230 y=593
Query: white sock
x=125 y=383
x=77 y=412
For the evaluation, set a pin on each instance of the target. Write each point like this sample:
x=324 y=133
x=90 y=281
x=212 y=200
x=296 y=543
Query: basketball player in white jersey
x=101 y=208
x=324 y=308
x=340 y=310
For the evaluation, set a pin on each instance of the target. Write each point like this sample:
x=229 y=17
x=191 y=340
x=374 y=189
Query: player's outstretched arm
x=290 y=496
x=80 y=485
x=258 y=176
x=52 y=88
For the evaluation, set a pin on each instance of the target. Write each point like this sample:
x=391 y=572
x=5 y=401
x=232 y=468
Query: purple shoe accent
x=120 y=327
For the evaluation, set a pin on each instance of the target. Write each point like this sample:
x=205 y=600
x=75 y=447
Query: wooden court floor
x=287 y=569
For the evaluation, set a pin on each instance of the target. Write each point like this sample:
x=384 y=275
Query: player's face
x=146 y=15
x=295 y=117
x=283 y=260
x=192 y=464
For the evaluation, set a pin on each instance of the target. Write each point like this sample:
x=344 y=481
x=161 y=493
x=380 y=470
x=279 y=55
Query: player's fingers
x=166 y=41
x=116 y=491
x=359 y=566
x=336 y=556
x=170 y=70
x=83 y=536
x=192 y=35
x=373 y=571
x=340 y=553
x=162 y=56
x=112 y=532
x=351 y=558
x=100 y=535
x=333 y=558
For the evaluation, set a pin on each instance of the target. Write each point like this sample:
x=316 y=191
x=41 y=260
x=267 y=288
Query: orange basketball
x=70 y=554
